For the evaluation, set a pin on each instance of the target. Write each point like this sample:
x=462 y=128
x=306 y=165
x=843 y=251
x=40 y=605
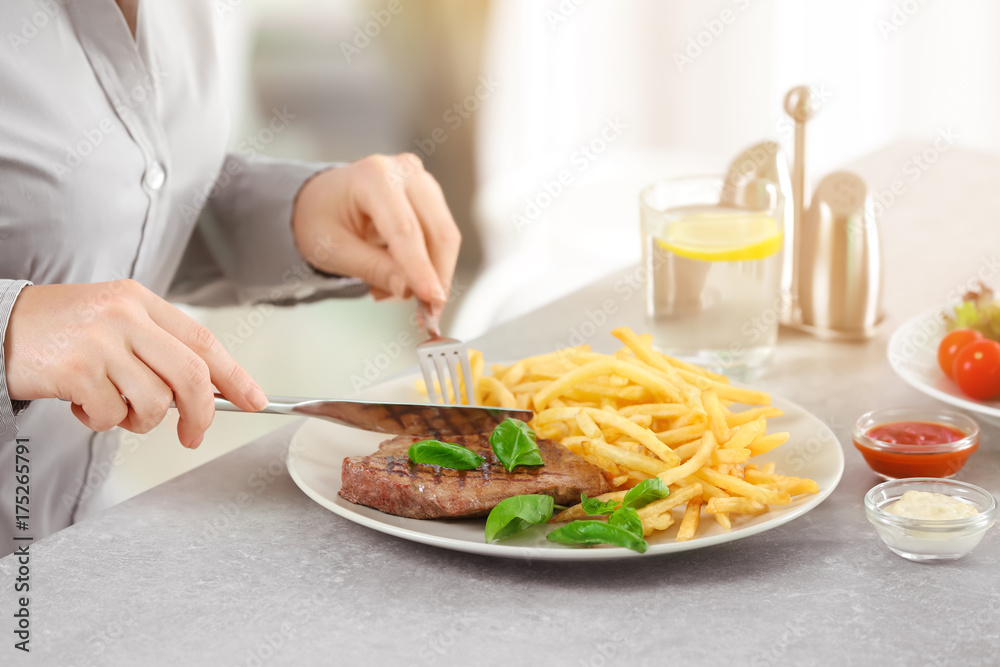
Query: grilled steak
x=389 y=482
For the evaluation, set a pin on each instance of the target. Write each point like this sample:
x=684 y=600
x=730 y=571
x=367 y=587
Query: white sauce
x=930 y=506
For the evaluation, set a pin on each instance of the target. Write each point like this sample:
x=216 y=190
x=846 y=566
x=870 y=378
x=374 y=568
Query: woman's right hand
x=98 y=344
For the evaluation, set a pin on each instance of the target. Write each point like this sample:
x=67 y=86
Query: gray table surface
x=231 y=564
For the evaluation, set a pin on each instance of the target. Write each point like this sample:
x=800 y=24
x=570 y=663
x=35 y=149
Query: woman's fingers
x=101 y=407
x=386 y=202
x=440 y=230
x=148 y=395
x=375 y=266
x=188 y=377
x=222 y=370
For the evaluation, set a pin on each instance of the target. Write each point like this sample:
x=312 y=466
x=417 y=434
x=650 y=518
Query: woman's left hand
x=383 y=219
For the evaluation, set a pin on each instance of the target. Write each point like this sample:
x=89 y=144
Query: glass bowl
x=892 y=460
x=925 y=539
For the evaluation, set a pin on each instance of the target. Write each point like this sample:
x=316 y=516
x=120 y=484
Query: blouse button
x=155 y=176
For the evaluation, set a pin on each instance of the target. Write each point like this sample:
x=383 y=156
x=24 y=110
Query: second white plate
x=912 y=353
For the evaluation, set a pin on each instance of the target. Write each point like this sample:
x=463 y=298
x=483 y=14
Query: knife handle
x=276 y=405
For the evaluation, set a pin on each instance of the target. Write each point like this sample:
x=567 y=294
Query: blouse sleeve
x=9 y=289
x=243 y=251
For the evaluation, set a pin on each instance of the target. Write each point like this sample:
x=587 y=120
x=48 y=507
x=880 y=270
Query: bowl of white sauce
x=929 y=518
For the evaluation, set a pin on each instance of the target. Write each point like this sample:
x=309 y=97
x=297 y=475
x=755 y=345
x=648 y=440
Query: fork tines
x=443 y=359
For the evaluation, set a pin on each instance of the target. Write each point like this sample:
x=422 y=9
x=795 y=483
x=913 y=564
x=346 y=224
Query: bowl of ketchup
x=905 y=442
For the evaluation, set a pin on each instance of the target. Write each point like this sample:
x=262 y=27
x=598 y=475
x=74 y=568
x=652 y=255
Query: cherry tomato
x=977 y=369
x=951 y=344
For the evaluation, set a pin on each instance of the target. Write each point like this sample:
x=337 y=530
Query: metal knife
x=391 y=418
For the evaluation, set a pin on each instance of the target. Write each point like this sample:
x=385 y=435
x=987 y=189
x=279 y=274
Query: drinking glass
x=713 y=272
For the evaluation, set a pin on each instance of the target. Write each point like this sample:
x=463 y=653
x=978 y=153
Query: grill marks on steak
x=389 y=482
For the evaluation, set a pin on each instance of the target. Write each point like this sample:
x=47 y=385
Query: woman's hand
x=382 y=219
x=120 y=354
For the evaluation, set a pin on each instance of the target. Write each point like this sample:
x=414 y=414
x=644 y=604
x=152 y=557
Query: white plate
x=318 y=448
x=912 y=354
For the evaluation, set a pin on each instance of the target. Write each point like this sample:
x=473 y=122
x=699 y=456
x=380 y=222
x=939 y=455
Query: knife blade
x=390 y=418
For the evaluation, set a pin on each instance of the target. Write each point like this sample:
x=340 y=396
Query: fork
x=443 y=355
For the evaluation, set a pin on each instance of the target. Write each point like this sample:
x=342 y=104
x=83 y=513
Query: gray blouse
x=113 y=165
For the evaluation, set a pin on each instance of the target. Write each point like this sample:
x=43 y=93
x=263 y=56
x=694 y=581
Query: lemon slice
x=723 y=235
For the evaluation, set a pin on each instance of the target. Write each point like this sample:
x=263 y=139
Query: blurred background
x=501 y=97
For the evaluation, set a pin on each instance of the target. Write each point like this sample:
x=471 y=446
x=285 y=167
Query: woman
x=115 y=191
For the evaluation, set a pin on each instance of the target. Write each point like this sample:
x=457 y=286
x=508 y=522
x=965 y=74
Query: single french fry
x=644 y=421
x=553 y=415
x=722 y=518
x=765 y=443
x=576 y=511
x=716 y=416
x=743 y=488
x=727 y=391
x=742 y=436
x=735 y=505
x=647 y=354
x=628 y=459
x=590 y=392
x=590 y=453
x=694 y=464
x=730 y=456
x=490 y=385
x=655 y=410
x=588 y=426
x=531 y=387
x=768 y=467
x=753 y=414
x=678 y=497
x=677 y=436
x=639 y=476
x=654 y=523
x=689 y=524
x=695 y=416
x=515 y=373
x=476 y=363
x=708 y=490
x=793 y=485
x=691 y=368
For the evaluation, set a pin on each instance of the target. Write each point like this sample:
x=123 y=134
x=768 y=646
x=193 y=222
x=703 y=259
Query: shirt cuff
x=9 y=290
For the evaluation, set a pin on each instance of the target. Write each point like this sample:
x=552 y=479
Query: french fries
x=638 y=414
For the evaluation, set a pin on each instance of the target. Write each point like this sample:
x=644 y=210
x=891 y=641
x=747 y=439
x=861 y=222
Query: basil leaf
x=444 y=454
x=598 y=532
x=513 y=442
x=627 y=519
x=513 y=515
x=645 y=492
x=593 y=506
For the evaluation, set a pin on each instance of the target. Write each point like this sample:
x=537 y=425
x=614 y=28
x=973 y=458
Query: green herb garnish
x=444 y=454
x=627 y=519
x=593 y=506
x=598 y=532
x=513 y=515
x=513 y=442
x=645 y=492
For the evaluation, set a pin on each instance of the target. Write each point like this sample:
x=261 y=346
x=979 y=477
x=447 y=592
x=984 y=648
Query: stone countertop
x=231 y=564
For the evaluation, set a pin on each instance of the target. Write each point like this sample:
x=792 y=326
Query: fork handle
x=428 y=321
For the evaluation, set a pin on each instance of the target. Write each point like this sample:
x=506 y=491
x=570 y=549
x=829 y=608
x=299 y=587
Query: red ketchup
x=923 y=449
x=915 y=433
